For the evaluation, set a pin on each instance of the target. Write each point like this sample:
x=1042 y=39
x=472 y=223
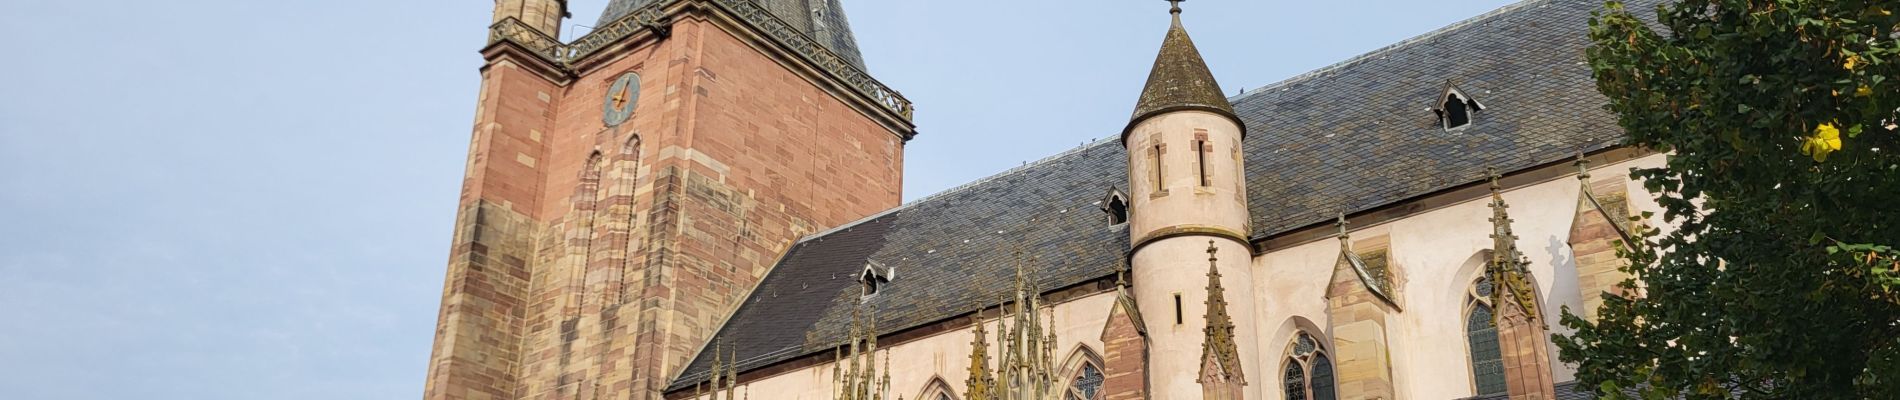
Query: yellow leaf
x=1852 y=61
x=1863 y=91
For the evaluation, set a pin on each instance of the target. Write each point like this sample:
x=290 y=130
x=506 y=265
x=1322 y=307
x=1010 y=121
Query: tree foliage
x=1777 y=279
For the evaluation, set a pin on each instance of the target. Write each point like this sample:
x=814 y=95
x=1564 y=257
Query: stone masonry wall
x=1124 y=354
x=628 y=245
x=1522 y=340
x=477 y=345
x=1593 y=241
x=1362 y=364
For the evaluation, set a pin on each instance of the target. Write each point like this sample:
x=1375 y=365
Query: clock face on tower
x=620 y=99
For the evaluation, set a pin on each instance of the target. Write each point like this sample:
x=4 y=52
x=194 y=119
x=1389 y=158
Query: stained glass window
x=943 y=396
x=1088 y=383
x=1309 y=373
x=1295 y=381
x=1322 y=386
x=1487 y=361
x=1304 y=345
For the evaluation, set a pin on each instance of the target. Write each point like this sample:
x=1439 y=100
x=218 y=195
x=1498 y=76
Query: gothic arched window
x=1481 y=339
x=1086 y=384
x=937 y=389
x=1309 y=372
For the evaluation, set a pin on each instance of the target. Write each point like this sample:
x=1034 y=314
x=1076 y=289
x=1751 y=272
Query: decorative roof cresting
x=1180 y=80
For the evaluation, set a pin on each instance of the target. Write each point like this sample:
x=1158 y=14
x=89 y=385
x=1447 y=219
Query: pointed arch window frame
x=937 y=389
x=1307 y=362
x=1478 y=296
x=1080 y=360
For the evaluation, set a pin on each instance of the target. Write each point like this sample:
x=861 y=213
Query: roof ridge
x=966 y=186
x=1421 y=38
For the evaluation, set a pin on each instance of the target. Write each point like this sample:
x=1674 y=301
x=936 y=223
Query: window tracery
x=1086 y=384
x=1481 y=339
x=1309 y=372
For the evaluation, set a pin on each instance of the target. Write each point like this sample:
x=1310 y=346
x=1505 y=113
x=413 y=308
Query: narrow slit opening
x=1200 y=159
x=1177 y=308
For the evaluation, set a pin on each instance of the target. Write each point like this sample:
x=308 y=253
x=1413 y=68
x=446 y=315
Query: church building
x=700 y=199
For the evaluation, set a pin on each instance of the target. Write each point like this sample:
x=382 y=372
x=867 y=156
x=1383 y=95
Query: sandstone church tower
x=1190 y=204
x=625 y=189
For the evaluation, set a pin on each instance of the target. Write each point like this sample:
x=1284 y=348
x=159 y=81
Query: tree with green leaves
x=1776 y=279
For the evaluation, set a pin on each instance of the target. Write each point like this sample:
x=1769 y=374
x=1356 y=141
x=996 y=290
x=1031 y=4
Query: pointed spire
x=977 y=386
x=1218 y=339
x=1508 y=268
x=1180 y=79
x=869 y=379
x=1503 y=241
x=838 y=372
x=717 y=364
x=732 y=371
x=884 y=384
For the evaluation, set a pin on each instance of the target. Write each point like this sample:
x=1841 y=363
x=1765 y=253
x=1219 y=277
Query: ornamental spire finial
x=1342 y=227
x=1583 y=167
x=1174 y=7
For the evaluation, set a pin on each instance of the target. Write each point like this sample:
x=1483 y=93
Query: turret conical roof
x=1180 y=80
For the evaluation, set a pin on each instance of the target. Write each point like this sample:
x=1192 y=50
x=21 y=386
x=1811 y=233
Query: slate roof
x=823 y=20
x=951 y=253
x=1349 y=137
x=1369 y=118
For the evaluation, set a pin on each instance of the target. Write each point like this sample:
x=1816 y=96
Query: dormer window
x=1115 y=204
x=1455 y=109
x=873 y=279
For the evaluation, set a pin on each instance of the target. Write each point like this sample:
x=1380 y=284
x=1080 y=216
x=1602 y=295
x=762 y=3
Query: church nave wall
x=1438 y=254
x=946 y=355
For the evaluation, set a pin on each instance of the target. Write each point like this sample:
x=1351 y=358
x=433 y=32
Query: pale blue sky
x=223 y=199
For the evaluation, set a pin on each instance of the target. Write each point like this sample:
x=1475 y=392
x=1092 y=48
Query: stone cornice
x=1445 y=198
x=515 y=53
x=1187 y=230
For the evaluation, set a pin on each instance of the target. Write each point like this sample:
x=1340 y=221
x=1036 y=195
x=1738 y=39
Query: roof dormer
x=1455 y=109
x=1115 y=204
x=873 y=278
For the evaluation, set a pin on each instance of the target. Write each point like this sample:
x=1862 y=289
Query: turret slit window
x=1481 y=337
x=1200 y=157
x=1309 y=372
x=1155 y=160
